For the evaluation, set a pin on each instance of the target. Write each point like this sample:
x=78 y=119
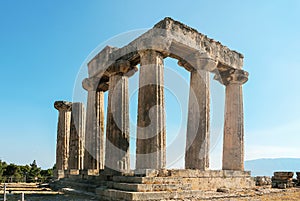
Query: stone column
x=94 y=133
x=63 y=135
x=151 y=132
x=198 y=134
x=233 y=141
x=117 y=128
x=76 y=153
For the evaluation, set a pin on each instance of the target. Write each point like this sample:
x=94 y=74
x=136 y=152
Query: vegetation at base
x=24 y=173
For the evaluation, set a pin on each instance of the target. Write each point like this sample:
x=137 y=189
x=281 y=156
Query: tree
x=24 y=170
x=34 y=172
x=3 y=166
x=21 y=173
x=12 y=172
x=46 y=175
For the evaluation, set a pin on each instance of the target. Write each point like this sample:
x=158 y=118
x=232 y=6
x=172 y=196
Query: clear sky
x=44 y=43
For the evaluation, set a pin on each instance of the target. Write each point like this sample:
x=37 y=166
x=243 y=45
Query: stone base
x=59 y=174
x=89 y=172
x=172 y=184
x=150 y=184
x=73 y=172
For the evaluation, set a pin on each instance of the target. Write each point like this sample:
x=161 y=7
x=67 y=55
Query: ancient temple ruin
x=85 y=158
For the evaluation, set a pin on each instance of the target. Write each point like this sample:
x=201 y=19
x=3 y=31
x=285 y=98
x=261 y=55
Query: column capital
x=232 y=76
x=198 y=61
x=63 y=105
x=120 y=66
x=91 y=84
x=149 y=56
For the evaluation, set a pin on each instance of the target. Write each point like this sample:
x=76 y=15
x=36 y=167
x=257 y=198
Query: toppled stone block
x=284 y=174
x=263 y=181
x=283 y=180
x=298 y=178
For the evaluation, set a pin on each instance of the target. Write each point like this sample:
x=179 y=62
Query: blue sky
x=44 y=43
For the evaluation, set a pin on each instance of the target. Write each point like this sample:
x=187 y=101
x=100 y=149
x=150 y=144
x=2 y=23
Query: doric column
x=63 y=134
x=198 y=134
x=151 y=131
x=117 y=128
x=233 y=141
x=94 y=133
x=76 y=153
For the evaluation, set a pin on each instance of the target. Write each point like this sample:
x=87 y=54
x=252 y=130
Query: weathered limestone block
x=94 y=133
x=197 y=142
x=263 y=181
x=151 y=131
x=283 y=180
x=117 y=128
x=63 y=135
x=233 y=141
x=100 y=62
x=76 y=153
x=173 y=39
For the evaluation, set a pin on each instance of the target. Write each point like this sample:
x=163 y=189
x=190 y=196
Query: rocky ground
x=258 y=194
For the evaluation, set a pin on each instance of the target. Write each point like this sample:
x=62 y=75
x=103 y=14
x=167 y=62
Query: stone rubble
x=263 y=181
x=283 y=180
x=298 y=178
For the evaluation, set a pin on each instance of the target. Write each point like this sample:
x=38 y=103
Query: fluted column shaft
x=76 y=153
x=198 y=134
x=63 y=134
x=117 y=129
x=94 y=134
x=151 y=132
x=233 y=141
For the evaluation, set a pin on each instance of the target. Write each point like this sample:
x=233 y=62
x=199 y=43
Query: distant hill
x=266 y=167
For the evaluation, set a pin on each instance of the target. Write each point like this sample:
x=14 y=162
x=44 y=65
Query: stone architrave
x=151 y=131
x=233 y=141
x=198 y=134
x=94 y=132
x=76 y=153
x=117 y=129
x=63 y=135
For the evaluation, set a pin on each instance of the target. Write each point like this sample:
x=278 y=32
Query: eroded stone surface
x=151 y=131
x=63 y=136
x=77 y=136
x=233 y=139
x=117 y=129
x=198 y=135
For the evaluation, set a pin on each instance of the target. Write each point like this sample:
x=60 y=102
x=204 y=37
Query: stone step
x=91 y=180
x=148 y=187
x=148 y=180
x=118 y=195
x=79 y=185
